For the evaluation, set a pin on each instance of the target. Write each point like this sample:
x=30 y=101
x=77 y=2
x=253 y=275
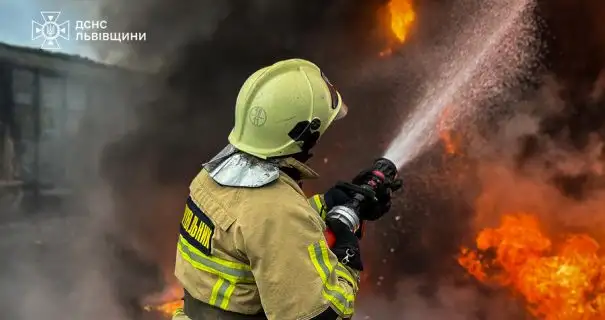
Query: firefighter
x=251 y=246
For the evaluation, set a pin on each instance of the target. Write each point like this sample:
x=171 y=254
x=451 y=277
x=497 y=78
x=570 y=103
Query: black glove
x=374 y=209
x=336 y=197
x=346 y=246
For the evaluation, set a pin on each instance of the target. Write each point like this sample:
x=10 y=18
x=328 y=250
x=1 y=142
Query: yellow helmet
x=283 y=109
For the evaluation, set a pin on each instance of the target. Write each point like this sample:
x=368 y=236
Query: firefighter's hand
x=374 y=209
x=346 y=246
x=336 y=196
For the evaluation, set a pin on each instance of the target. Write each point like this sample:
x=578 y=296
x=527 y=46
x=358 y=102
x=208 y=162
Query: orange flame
x=565 y=282
x=167 y=308
x=401 y=18
x=166 y=302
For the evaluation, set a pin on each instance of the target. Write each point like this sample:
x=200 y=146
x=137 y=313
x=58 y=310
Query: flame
x=401 y=16
x=564 y=282
x=166 y=302
x=167 y=308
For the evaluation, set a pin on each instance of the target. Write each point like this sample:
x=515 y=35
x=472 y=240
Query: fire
x=167 y=308
x=165 y=302
x=402 y=17
x=558 y=282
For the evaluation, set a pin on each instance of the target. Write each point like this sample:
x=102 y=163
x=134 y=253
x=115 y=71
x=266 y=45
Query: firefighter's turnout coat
x=251 y=243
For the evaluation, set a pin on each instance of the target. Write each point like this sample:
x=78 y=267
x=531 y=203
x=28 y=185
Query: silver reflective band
x=346 y=215
x=234 y=168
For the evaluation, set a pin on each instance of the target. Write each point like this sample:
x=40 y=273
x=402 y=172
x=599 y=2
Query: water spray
x=418 y=133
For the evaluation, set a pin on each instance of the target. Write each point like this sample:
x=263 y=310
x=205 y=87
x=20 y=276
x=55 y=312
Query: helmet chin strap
x=303 y=156
x=294 y=173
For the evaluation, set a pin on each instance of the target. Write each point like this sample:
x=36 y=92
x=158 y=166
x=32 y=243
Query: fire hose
x=382 y=175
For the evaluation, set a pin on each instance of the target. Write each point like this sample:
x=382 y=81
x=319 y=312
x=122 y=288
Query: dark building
x=45 y=100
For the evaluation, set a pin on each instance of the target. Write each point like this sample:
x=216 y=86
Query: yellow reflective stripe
x=318 y=205
x=314 y=204
x=342 y=272
x=321 y=268
x=221 y=293
x=337 y=296
x=229 y=270
x=342 y=306
x=215 y=289
x=227 y=297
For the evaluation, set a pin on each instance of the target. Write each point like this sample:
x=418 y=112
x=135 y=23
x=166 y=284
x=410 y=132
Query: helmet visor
x=342 y=112
x=336 y=99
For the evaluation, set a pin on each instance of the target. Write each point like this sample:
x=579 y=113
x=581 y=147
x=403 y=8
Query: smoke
x=57 y=260
x=551 y=148
x=448 y=301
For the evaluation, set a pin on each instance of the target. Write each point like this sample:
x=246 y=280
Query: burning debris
x=559 y=279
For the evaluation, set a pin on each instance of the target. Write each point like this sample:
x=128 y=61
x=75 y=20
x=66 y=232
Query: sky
x=16 y=22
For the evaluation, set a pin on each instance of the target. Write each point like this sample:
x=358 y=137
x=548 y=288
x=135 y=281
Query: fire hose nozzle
x=383 y=172
x=387 y=168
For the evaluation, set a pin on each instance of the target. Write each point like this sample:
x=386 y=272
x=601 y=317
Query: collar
x=237 y=169
x=305 y=171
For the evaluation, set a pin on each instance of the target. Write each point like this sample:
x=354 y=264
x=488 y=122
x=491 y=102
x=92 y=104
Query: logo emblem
x=258 y=116
x=50 y=30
